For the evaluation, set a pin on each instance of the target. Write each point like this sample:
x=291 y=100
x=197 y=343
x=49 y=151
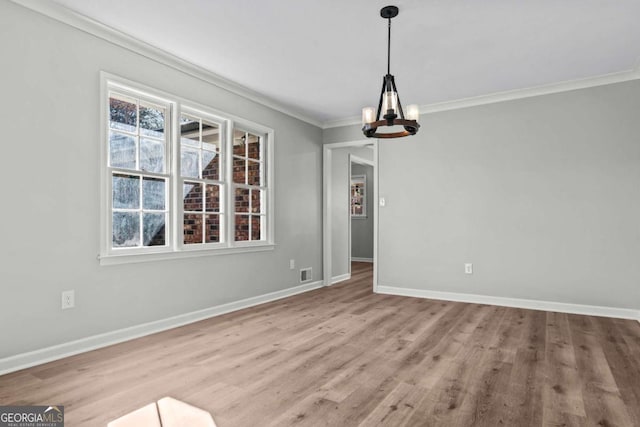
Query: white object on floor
x=167 y=412
x=175 y=413
x=147 y=416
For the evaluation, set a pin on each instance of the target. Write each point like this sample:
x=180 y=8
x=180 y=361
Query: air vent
x=305 y=275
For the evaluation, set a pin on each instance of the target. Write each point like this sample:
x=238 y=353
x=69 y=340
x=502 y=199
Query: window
x=180 y=178
x=249 y=186
x=201 y=180
x=137 y=170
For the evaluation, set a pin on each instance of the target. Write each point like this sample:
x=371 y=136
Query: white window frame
x=174 y=238
x=249 y=128
x=223 y=181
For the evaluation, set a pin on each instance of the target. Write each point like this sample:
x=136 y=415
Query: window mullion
x=250 y=202
x=138 y=144
x=203 y=208
x=168 y=208
x=140 y=214
x=223 y=184
x=231 y=194
x=126 y=210
x=176 y=213
x=121 y=171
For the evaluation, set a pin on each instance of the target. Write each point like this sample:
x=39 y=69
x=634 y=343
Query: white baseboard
x=38 y=357
x=356 y=259
x=340 y=278
x=591 y=310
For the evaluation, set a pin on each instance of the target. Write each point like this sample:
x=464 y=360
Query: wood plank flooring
x=343 y=356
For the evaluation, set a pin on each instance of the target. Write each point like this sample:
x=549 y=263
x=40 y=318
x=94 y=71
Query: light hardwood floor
x=343 y=356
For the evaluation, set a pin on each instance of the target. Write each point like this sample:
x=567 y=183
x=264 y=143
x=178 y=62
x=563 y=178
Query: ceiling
x=325 y=59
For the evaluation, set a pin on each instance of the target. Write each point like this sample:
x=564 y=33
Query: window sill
x=172 y=255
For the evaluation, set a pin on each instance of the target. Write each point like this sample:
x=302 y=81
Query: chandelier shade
x=389 y=112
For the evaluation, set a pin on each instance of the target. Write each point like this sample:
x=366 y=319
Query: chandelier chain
x=389 y=49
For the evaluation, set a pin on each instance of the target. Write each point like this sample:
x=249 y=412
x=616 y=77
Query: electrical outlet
x=468 y=268
x=68 y=299
x=292 y=264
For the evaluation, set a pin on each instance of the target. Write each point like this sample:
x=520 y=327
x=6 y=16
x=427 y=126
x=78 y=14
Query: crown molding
x=353 y=120
x=90 y=26
x=510 y=95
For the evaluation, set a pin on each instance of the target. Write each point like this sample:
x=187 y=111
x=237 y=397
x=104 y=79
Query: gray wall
x=340 y=215
x=362 y=228
x=541 y=194
x=342 y=134
x=50 y=170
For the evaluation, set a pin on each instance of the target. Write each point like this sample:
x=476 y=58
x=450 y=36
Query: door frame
x=327 y=207
x=359 y=161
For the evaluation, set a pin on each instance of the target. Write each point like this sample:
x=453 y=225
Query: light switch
x=468 y=268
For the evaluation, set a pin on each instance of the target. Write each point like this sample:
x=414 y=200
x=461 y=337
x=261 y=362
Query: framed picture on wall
x=359 y=196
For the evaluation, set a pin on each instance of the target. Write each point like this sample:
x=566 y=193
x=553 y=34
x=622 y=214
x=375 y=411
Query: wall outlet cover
x=68 y=299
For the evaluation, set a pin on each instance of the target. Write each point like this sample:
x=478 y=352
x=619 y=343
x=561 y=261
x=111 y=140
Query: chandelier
x=389 y=105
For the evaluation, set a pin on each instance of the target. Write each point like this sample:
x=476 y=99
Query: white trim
x=326 y=217
x=591 y=310
x=340 y=278
x=186 y=253
x=376 y=213
x=349 y=215
x=48 y=354
x=509 y=95
x=356 y=143
x=105 y=202
x=327 y=206
x=347 y=121
x=365 y=162
x=362 y=161
x=357 y=259
x=90 y=26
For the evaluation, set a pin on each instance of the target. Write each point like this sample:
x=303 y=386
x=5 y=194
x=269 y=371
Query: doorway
x=337 y=227
x=361 y=209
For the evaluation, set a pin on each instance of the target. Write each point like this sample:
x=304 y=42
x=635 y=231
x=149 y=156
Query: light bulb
x=390 y=102
x=368 y=115
x=413 y=112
